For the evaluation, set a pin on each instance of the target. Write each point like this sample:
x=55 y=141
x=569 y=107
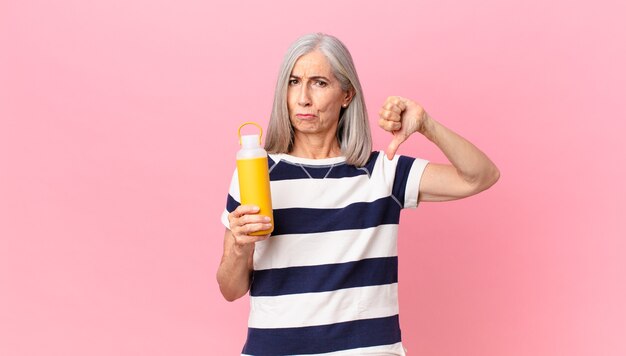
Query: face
x=314 y=96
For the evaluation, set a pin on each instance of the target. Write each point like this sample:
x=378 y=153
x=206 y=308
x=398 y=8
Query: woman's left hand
x=402 y=117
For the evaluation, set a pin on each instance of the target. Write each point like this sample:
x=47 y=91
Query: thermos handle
x=250 y=123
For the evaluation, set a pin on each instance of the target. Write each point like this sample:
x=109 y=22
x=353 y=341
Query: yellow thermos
x=253 y=174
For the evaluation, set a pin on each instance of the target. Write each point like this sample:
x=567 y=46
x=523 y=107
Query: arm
x=233 y=273
x=470 y=171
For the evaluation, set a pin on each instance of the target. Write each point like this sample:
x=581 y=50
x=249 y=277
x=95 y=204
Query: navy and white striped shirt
x=326 y=281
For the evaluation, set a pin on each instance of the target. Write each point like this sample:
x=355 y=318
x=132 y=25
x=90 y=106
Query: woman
x=326 y=280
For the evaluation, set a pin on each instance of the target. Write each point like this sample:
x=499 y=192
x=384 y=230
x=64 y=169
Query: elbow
x=230 y=298
x=231 y=295
x=484 y=181
x=494 y=176
x=229 y=291
x=490 y=178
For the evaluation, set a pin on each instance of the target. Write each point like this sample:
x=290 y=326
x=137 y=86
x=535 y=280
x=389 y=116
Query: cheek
x=333 y=107
x=291 y=105
x=329 y=104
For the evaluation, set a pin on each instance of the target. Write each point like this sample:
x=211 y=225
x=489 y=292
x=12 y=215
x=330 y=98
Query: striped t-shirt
x=326 y=281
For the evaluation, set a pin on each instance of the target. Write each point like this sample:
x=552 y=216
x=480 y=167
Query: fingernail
x=267 y=218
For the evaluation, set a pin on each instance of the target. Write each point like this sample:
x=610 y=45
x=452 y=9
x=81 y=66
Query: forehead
x=312 y=64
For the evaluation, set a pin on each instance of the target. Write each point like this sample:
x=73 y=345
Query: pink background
x=117 y=142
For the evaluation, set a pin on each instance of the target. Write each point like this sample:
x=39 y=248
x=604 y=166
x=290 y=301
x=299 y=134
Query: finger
x=245 y=209
x=239 y=225
x=389 y=114
x=249 y=229
x=249 y=209
x=397 y=101
x=249 y=239
x=253 y=219
x=392 y=107
x=390 y=126
x=393 y=146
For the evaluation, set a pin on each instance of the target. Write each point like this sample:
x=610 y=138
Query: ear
x=349 y=94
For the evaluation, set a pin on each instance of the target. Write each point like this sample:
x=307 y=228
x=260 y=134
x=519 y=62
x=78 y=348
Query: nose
x=304 y=99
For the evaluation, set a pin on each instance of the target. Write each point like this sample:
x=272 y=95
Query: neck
x=307 y=146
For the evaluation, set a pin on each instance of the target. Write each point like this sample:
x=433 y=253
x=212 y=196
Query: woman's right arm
x=233 y=274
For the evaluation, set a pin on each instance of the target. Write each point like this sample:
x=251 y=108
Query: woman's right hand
x=244 y=221
x=233 y=274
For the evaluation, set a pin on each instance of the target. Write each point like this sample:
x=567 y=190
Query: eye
x=321 y=83
x=293 y=81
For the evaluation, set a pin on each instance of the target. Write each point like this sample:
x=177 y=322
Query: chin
x=305 y=126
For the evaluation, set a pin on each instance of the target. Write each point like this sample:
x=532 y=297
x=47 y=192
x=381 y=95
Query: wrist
x=239 y=251
x=427 y=126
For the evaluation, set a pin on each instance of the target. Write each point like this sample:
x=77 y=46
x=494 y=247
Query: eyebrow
x=313 y=77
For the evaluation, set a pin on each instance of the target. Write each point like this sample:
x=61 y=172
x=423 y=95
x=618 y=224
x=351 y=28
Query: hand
x=402 y=117
x=244 y=221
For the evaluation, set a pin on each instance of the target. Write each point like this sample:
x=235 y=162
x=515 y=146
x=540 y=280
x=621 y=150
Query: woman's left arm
x=470 y=171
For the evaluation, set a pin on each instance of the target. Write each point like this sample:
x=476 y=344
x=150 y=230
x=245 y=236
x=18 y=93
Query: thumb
x=393 y=146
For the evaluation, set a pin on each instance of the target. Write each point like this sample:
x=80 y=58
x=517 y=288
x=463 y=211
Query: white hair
x=353 y=131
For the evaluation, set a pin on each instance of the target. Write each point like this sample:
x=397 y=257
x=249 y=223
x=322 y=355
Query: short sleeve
x=232 y=200
x=414 y=178
x=407 y=174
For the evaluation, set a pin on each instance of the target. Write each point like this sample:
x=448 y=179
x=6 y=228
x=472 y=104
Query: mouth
x=305 y=116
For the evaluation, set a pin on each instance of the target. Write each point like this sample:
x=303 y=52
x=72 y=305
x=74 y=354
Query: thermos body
x=254 y=178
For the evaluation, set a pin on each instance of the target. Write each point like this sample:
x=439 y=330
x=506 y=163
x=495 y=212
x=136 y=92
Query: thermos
x=253 y=174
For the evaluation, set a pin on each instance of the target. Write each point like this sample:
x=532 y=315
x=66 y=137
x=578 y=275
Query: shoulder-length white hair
x=353 y=131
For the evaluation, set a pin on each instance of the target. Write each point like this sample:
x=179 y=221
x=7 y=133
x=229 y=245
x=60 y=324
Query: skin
x=314 y=100
x=470 y=171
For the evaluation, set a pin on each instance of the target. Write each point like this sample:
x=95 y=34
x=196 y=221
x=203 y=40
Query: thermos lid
x=250 y=141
